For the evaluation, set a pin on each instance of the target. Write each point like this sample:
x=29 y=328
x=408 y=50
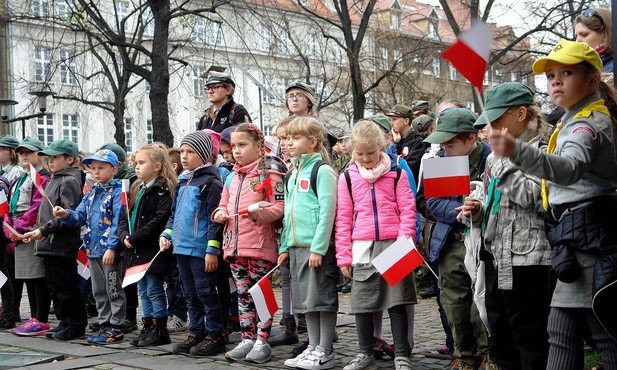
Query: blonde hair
x=311 y=128
x=157 y=152
x=369 y=132
x=284 y=123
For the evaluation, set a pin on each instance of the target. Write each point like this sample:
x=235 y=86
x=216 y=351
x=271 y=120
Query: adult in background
x=223 y=111
x=411 y=145
x=594 y=27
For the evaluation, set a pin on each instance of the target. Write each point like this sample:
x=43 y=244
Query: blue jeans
x=152 y=293
x=199 y=289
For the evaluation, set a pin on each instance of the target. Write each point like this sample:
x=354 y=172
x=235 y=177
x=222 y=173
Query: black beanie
x=200 y=142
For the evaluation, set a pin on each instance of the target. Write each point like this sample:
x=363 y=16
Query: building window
x=485 y=81
x=265 y=41
x=122 y=15
x=268 y=84
x=335 y=53
x=432 y=30
x=383 y=61
x=395 y=21
x=42 y=64
x=149 y=132
x=513 y=77
x=45 y=129
x=147 y=21
x=63 y=10
x=524 y=79
x=199 y=30
x=312 y=44
x=68 y=68
x=471 y=106
x=398 y=60
x=284 y=45
x=40 y=8
x=214 y=33
x=198 y=82
x=70 y=127
x=128 y=134
x=437 y=67
x=452 y=71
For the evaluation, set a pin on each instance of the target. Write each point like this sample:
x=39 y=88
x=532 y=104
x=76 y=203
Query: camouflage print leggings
x=247 y=272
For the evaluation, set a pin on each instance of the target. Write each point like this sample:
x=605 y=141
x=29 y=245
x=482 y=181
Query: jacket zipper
x=237 y=217
x=181 y=208
x=293 y=203
x=375 y=218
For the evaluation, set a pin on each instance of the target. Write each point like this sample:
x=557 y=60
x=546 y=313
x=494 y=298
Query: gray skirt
x=371 y=293
x=313 y=289
x=27 y=265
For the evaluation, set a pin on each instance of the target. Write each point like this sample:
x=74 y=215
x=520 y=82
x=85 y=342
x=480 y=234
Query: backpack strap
x=314 y=172
x=348 y=181
x=398 y=176
x=228 y=179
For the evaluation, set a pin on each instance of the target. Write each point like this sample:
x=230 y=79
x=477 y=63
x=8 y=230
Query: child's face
x=59 y=162
x=145 y=168
x=244 y=149
x=366 y=154
x=567 y=84
x=225 y=149
x=399 y=124
x=189 y=158
x=281 y=133
x=5 y=155
x=27 y=158
x=300 y=144
x=458 y=147
x=102 y=172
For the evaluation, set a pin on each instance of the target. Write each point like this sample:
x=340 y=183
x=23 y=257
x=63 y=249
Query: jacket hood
x=69 y=171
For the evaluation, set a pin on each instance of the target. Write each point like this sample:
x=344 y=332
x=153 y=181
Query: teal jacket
x=309 y=219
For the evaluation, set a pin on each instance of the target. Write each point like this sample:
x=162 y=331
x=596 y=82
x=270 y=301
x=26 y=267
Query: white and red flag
x=254 y=207
x=126 y=188
x=3 y=279
x=470 y=54
x=263 y=296
x=82 y=264
x=446 y=176
x=398 y=260
x=38 y=182
x=136 y=273
x=4 y=204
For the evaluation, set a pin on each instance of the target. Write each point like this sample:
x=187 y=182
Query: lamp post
x=41 y=97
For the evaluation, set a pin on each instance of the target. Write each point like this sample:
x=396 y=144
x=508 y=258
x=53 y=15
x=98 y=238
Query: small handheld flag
x=4 y=204
x=38 y=183
x=126 y=187
x=255 y=207
x=136 y=273
x=263 y=297
x=446 y=176
x=398 y=260
x=82 y=264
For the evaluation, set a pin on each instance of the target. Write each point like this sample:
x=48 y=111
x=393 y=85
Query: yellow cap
x=569 y=52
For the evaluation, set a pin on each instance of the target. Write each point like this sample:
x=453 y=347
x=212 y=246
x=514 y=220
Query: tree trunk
x=357 y=91
x=119 y=107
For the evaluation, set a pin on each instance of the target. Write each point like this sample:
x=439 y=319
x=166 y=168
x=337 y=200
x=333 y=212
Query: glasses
x=590 y=13
x=296 y=96
x=214 y=88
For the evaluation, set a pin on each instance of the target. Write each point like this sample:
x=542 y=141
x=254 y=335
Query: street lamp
x=41 y=97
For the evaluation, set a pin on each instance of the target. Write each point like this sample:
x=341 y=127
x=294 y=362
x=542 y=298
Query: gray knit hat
x=200 y=142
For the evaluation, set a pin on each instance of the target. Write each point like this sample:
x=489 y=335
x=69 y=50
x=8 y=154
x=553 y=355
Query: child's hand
x=502 y=142
x=164 y=244
x=60 y=212
x=283 y=259
x=470 y=207
x=127 y=243
x=221 y=216
x=315 y=260
x=212 y=262
x=32 y=235
x=347 y=271
x=109 y=257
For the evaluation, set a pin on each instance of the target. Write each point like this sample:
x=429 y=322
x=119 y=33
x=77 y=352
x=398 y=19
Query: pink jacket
x=242 y=236
x=375 y=213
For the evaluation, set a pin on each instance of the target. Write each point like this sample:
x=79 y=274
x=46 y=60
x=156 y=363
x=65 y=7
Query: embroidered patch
x=405 y=151
x=253 y=184
x=279 y=187
x=585 y=129
x=279 y=197
x=303 y=185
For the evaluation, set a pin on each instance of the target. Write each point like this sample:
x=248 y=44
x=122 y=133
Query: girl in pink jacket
x=249 y=239
x=375 y=206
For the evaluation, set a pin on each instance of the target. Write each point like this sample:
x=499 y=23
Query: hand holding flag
x=38 y=183
x=255 y=207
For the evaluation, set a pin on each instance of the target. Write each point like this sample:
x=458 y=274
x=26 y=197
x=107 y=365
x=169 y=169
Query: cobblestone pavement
x=78 y=354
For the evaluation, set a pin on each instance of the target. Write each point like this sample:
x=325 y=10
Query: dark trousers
x=199 y=289
x=518 y=317
x=176 y=303
x=398 y=323
x=61 y=276
x=18 y=289
x=223 y=274
x=442 y=313
x=132 y=302
x=39 y=297
x=6 y=292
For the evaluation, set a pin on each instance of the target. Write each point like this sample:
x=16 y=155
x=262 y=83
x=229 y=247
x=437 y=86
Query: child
x=379 y=209
x=24 y=203
x=58 y=244
x=150 y=208
x=8 y=159
x=101 y=211
x=250 y=240
x=580 y=167
x=305 y=242
x=225 y=148
x=196 y=240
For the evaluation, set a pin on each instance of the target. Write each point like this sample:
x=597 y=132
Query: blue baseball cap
x=104 y=155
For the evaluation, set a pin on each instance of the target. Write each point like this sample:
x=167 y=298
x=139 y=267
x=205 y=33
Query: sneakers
x=293 y=362
x=67 y=333
x=174 y=324
x=242 y=349
x=402 y=363
x=261 y=352
x=361 y=362
x=317 y=360
x=107 y=336
x=32 y=327
x=300 y=349
x=129 y=325
x=191 y=341
x=94 y=327
x=210 y=346
x=445 y=350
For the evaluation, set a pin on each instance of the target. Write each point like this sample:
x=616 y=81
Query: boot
x=146 y=323
x=158 y=335
x=287 y=336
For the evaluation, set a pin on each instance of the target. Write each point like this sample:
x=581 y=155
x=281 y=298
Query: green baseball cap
x=60 y=147
x=31 y=143
x=502 y=97
x=420 y=104
x=9 y=141
x=383 y=121
x=451 y=123
x=422 y=123
x=117 y=149
x=401 y=110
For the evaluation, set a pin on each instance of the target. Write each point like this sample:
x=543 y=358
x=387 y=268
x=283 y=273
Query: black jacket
x=230 y=114
x=154 y=210
x=416 y=147
x=64 y=190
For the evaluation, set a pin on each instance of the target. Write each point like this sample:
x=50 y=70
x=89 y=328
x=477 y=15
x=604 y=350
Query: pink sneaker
x=31 y=328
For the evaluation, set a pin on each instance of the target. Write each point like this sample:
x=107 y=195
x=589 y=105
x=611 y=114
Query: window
x=122 y=14
x=214 y=33
x=42 y=64
x=335 y=53
x=68 y=68
x=63 y=10
x=128 y=134
x=45 y=129
x=267 y=82
x=198 y=81
x=485 y=80
x=395 y=21
x=40 y=8
x=383 y=61
x=524 y=79
x=147 y=21
x=437 y=67
x=199 y=30
x=432 y=30
x=398 y=59
x=149 y=132
x=312 y=44
x=284 y=45
x=70 y=127
x=471 y=106
x=265 y=41
x=513 y=77
x=452 y=71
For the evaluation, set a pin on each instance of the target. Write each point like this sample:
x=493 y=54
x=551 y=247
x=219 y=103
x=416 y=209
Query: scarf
x=381 y=168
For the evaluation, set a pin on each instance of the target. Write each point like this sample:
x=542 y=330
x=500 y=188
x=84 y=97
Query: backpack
x=313 y=179
x=348 y=180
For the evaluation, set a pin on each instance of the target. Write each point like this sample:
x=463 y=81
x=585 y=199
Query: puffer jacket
x=375 y=212
x=243 y=236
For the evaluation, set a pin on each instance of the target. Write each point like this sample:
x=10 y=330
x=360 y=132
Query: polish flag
x=136 y=273
x=446 y=176
x=398 y=260
x=3 y=279
x=263 y=296
x=82 y=264
x=38 y=182
x=4 y=204
x=126 y=185
x=471 y=52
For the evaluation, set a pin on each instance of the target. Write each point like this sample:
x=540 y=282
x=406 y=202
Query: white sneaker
x=174 y=324
x=293 y=362
x=362 y=362
x=260 y=353
x=317 y=360
x=242 y=349
x=402 y=363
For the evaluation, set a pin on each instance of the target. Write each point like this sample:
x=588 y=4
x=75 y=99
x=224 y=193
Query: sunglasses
x=591 y=13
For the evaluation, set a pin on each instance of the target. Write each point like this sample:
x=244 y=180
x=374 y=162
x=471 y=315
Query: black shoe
x=346 y=288
x=7 y=320
x=50 y=333
x=289 y=334
x=210 y=346
x=301 y=328
x=129 y=325
x=146 y=323
x=158 y=333
x=191 y=341
x=298 y=350
x=69 y=333
x=428 y=293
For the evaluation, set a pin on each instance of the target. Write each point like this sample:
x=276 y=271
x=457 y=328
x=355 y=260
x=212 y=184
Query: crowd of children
x=223 y=206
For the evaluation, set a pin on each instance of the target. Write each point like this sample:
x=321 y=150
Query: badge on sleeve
x=303 y=185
